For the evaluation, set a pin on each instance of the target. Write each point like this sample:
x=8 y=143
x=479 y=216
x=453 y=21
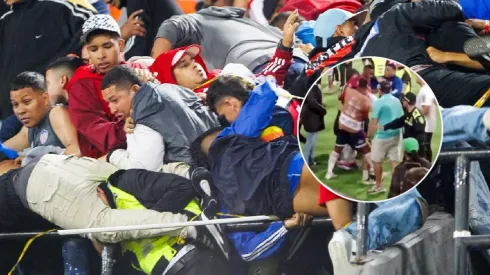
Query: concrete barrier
x=428 y=251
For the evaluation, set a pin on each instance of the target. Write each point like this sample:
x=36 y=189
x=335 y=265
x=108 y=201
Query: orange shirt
x=354 y=111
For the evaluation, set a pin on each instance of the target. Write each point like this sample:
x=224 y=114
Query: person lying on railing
x=268 y=178
x=44 y=124
x=64 y=190
x=139 y=189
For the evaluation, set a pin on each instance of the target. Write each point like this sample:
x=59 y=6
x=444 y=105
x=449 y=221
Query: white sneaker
x=330 y=176
x=340 y=250
x=376 y=190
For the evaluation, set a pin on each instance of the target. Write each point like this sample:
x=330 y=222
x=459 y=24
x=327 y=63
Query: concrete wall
x=428 y=251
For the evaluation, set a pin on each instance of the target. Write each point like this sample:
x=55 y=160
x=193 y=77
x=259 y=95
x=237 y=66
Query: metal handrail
x=108 y=253
x=462 y=236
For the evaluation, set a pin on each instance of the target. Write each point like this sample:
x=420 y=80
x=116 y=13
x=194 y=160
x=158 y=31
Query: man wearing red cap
x=185 y=66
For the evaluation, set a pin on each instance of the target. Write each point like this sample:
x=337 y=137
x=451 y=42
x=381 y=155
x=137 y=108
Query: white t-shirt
x=426 y=97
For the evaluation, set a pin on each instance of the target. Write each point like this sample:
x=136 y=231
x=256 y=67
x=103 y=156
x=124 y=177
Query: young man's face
x=229 y=108
x=368 y=73
x=390 y=71
x=119 y=100
x=405 y=104
x=56 y=83
x=347 y=29
x=188 y=73
x=29 y=106
x=104 y=52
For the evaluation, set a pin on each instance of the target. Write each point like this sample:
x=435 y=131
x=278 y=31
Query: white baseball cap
x=99 y=22
x=192 y=50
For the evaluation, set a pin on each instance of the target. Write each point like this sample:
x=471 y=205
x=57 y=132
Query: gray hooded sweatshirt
x=224 y=35
x=175 y=112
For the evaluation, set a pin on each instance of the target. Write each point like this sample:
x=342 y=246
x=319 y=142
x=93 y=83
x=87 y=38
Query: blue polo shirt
x=386 y=109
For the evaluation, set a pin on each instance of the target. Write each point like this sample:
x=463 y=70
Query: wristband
x=283 y=48
x=486 y=29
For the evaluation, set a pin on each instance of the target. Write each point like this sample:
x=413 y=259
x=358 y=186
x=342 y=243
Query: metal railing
x=462 y=236
x=361 y=238
x=108 y=254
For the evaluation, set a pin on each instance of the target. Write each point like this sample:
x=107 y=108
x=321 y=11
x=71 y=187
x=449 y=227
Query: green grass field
x=349 y=183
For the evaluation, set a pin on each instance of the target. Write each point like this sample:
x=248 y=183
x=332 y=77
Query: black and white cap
x=99 y=22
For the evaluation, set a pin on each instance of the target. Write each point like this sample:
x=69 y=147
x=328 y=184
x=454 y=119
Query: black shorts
x=357 y=140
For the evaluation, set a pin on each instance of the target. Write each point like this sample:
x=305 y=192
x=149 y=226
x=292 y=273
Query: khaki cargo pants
x=63 y=190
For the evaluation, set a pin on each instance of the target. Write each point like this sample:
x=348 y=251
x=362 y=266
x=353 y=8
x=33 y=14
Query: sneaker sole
x=377 y=192
x=338 y=254
x=214 y=231
x=477 y=47
x=365 y=182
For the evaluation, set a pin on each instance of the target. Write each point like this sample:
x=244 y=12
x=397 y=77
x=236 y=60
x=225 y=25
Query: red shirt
x=98 y=130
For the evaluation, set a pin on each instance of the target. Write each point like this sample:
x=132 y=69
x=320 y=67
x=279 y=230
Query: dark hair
x=280 y=19
x=413 y=156
x=385 y=87
x=93 y=33
x=391 y=64
x=32 y=80
x=227 y=85
x=369 y=66
x=69 y=63
x=122 y=76
x=199 y=158
x=363 y=82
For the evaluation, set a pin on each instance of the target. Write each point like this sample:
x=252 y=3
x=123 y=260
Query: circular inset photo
x=372 y=128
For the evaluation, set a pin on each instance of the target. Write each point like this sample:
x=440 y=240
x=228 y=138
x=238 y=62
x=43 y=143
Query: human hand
x=144 y=75
x=133 y=26
x=437 y=55
x=202 y=96
x=289 y=29
x=306 y=48
x=129 y=124
x=18 y=160
x=298 y=220
x=476 y=24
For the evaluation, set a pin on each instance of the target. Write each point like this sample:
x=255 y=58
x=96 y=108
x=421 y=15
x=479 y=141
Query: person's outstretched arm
x=145 y=150
x=64 y=130
x=178 y=31
x=425 y=14
x=395 y=124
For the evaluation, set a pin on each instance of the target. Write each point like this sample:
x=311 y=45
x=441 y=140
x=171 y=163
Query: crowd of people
x=373 y=111
x=176 y=117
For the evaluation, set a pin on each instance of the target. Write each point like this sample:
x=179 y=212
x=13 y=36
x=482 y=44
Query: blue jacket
x=476 y=9
x=244 y=169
